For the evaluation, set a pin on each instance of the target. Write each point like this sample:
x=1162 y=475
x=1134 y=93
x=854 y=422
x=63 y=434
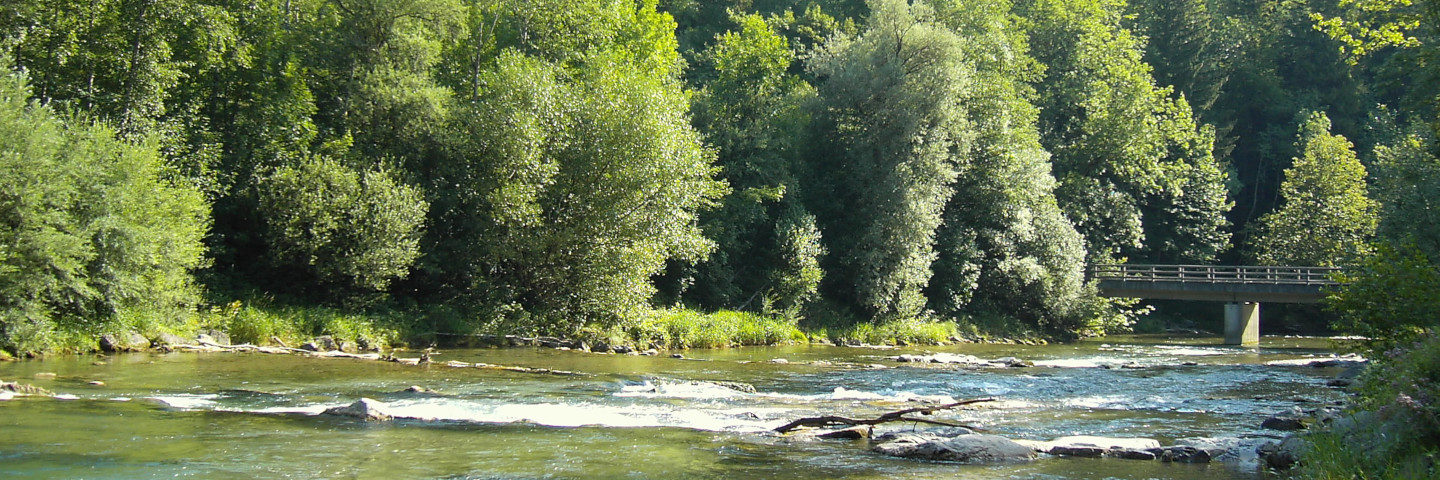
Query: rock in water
x=217 y=336
x=974 y=449
x=1284 y=423
x=364 y=409
x=852 y=433
x=1282 y=455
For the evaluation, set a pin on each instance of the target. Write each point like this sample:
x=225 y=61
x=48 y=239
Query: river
x=252 y=415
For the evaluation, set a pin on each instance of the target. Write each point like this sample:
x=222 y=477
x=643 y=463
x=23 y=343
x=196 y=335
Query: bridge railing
x=1273 y=275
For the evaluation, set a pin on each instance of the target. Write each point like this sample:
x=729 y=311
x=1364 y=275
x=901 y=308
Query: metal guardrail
x=1274 y=275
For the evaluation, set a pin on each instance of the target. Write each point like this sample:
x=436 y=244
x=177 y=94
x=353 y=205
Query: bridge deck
x=1214 y=283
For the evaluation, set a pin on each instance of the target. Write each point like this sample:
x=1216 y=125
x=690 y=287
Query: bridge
x=1242 y=288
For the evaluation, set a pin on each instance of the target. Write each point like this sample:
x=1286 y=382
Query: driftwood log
x=895 y=416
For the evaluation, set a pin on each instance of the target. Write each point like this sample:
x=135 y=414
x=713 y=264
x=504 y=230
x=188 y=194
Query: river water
x=253 y=415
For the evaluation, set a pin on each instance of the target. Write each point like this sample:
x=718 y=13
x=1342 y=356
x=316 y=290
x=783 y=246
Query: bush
x=681 y=328
x=1391 y=299
x=1400 y=437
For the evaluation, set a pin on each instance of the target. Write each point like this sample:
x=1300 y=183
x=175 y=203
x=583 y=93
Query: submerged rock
x=364 y=409
x=17 y=389
x=975 y=449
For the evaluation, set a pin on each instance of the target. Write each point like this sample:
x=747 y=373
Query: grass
x=684 y=328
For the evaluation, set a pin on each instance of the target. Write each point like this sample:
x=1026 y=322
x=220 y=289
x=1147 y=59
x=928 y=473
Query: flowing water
x=253 y=415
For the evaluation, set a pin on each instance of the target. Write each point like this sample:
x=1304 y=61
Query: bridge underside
x=1242 y=307
x=1213 y=292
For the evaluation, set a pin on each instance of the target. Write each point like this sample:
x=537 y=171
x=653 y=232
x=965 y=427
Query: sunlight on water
x=710 y=416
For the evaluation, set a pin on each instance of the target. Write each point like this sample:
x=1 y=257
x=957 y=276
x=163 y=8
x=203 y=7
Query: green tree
x=896 y=127
x=1005 y=248
x=91 y=226
x=1326 y=217
x=358 y=230
x=1120 y=143
x=1406 y=184
x=753 y=113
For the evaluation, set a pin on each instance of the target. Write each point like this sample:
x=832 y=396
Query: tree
x=91 y=226
x=1120 y=143
x=753 y=113
x=1406 y=184
x=896 y=125
x=356 y=230
x=1326 y=217
x=1005 y=249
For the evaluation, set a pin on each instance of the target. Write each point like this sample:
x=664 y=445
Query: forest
x=569 y=166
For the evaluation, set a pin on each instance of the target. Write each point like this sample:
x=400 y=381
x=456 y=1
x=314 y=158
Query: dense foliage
x=571 y=166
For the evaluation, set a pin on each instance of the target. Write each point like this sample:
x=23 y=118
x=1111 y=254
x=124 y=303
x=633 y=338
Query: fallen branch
x=895 y=416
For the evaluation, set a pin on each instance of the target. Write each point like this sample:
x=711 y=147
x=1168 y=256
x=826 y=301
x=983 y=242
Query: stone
x=677 y=356
x=96 y=383
x=974 y=449
x=780 y=361
x=1078 y=451
x=1013 y=362
x=1284 y=454
x=600 y=347
x=1190 y=453
x=1131 y=454
x=326 y=343
x=852 y=433
x=168 y=339
x=217 y=336
x=16 y=389
x=311 y=346
x=1283 y=423
x=1339 y=382
x=622 y=349
x=1106 y=443
x=736 y=386
x=364 y=409
x=109 y=343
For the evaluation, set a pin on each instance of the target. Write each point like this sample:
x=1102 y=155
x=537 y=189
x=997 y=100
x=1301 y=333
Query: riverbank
x=661 y=329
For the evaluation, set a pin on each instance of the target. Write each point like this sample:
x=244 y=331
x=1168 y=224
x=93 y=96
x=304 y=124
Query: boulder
x=311 y=346
x=1078 y=451
x=326 y=343
x=124 y=342
x=1284 y=454
x=736 y=386
x=1013 y=362
x=1106 y=443
x=975 y=449
x=1132 y=454
x=108 y=343
x=852 y=433
x=168 y=339
x=600 y=347
x=22 y=389
x=217 y=336
x=622 y=349
x=1283 y=423
x=364 y=409
x=1190 y=453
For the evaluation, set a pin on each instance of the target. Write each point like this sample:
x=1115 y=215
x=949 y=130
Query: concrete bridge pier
x=1242 y=323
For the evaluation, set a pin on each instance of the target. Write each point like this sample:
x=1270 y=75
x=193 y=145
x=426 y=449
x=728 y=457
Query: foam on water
x=186 y=401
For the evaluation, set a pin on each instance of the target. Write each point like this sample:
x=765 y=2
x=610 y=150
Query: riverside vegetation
x=696 y=174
